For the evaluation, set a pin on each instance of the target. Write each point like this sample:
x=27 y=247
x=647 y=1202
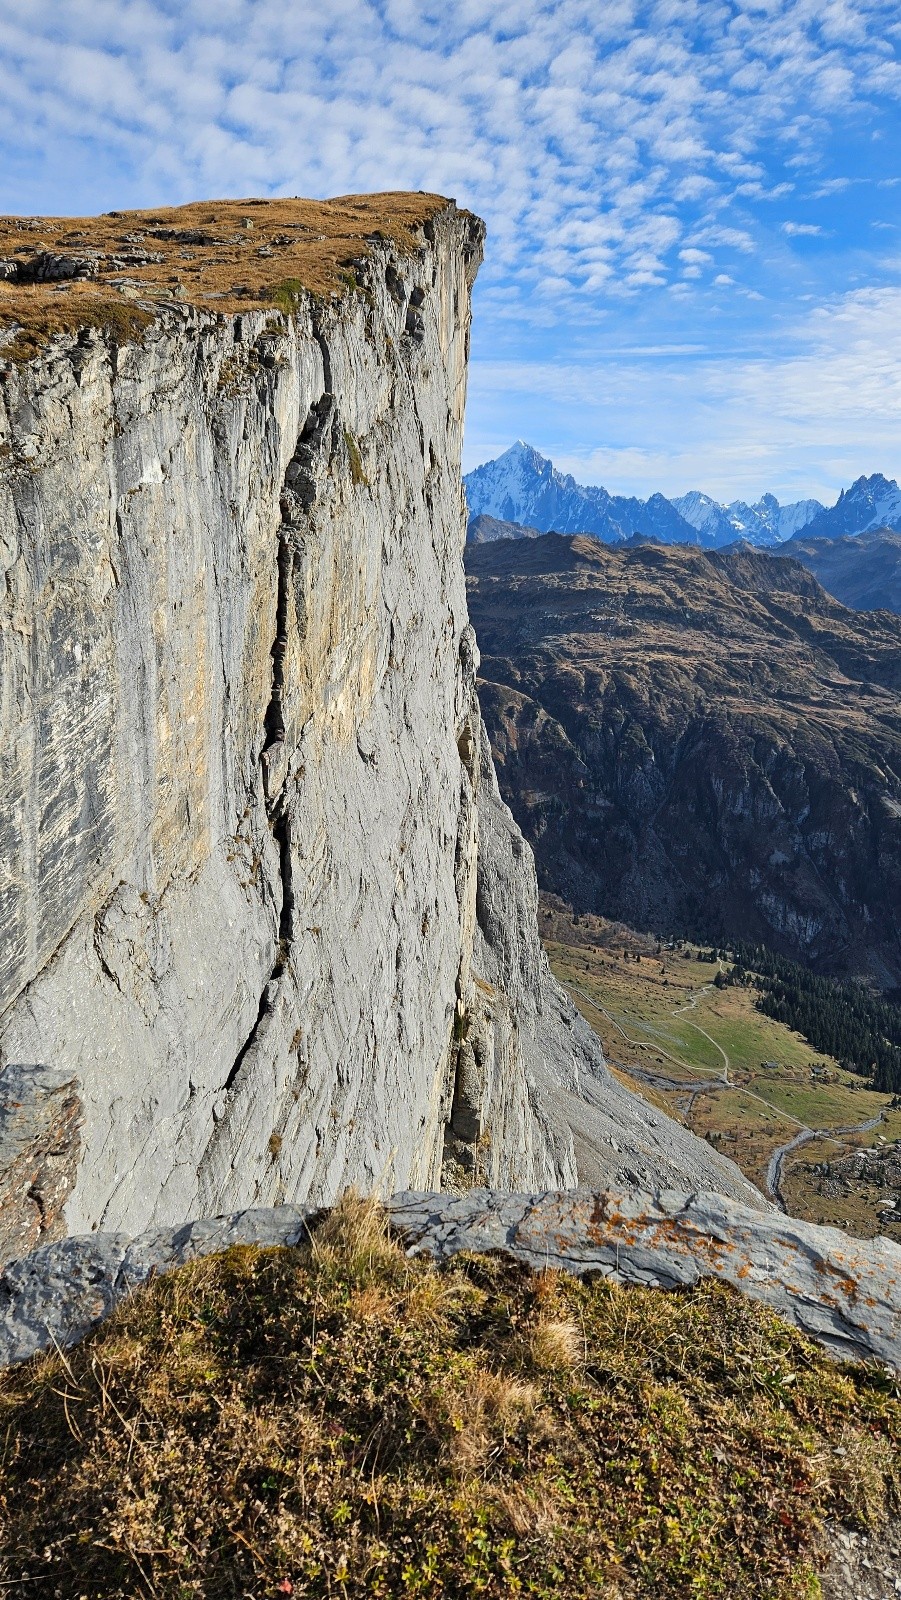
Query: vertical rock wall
x=243 y=777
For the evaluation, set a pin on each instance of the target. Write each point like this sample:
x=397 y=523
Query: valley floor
x=809 y=1134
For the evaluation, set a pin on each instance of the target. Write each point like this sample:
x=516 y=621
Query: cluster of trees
x=862 y=1031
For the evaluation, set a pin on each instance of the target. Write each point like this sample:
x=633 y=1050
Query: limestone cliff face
x=243 y=777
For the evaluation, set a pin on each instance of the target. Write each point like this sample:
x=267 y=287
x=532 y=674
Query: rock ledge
x=845 y=1293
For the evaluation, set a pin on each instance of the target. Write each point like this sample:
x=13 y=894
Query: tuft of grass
x=287 y=295
x=120 y=322
x=554 y=1344
x=339 y=1420
x=357 y=473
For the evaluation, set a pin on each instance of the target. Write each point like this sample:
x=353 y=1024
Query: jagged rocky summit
x=521 y=493
x=265 y=920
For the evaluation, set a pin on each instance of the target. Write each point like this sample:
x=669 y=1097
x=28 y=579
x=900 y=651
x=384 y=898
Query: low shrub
x=339 y=1420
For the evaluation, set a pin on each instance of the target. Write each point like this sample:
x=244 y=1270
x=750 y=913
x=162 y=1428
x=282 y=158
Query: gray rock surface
x=57 y=1294
x=842 y=1292
x=845 y=1293
x=258 y=893
x=40 y=1121
x=862 y=1565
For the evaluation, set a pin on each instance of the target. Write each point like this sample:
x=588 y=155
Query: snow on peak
x=873 y=502
x=524 y=486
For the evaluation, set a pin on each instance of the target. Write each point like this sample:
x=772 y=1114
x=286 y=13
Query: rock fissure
x=236 y=621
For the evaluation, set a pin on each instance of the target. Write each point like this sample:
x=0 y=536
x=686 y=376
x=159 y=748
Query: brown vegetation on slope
x=338 y=1420
x=59 y=274
x=698 y=743
x=862 y=570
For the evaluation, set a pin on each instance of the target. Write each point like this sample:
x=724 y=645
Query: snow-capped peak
x=523 y=486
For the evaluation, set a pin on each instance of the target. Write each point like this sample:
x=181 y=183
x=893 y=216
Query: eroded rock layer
x=699 y=743
x=244 y=905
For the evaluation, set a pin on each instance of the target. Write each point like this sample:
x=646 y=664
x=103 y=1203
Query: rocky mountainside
x=873 y=502
x=483 y=529
x=698 y=742
x=766 y=523
x=522 y=489
x=862 y=571
x=267 y=927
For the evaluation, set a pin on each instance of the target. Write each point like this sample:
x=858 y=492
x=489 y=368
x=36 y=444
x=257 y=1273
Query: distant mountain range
x=863 y=571
x=522 y=494
x=765 y=523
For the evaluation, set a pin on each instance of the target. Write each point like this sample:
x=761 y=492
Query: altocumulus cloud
x=575 y=128
x=619 y=151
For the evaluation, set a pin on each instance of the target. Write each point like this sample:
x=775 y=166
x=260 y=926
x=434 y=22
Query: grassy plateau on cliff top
x=222 y=255
x=339 y=1420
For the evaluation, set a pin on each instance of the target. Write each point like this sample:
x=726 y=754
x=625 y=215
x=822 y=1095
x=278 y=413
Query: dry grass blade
x=344 y=1421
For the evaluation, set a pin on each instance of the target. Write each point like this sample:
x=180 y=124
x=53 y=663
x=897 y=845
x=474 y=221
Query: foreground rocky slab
x=844 y=1293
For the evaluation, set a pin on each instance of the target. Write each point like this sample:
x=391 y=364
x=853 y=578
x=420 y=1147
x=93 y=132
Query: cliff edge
x=262 y=905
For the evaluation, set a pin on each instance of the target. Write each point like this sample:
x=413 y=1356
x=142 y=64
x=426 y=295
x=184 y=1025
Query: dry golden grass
x=340 y=1421
x=555 y=1344
x=243 y=254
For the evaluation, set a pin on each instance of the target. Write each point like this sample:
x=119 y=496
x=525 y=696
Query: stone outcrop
x=844 y=1293
x=40 y=1119
x=260 y=898
x=61 y=1291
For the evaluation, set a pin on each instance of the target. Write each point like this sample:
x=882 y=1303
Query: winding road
x=774 y=1170
x=714 y=1085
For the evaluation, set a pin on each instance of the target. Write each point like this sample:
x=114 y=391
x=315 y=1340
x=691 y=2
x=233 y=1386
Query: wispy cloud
x=804 y=419
x=634 y=160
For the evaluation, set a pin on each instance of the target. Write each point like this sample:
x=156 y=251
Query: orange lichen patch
x=847 y=1284
x=59 y=274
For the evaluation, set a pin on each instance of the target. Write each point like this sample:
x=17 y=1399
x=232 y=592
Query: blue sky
x=694 y=206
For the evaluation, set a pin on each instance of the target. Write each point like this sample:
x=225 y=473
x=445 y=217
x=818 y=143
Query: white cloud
x=801 y=229
x=531 y=111
x=806 y=420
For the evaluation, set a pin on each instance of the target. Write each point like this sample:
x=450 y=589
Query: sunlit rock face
x=243 y=779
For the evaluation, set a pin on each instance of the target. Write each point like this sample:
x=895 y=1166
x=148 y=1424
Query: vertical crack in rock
x=274 y=721
x=297 y=497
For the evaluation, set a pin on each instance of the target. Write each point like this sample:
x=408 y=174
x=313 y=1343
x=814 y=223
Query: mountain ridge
x=523 y=488
x=698 y=742
x=862 y=570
